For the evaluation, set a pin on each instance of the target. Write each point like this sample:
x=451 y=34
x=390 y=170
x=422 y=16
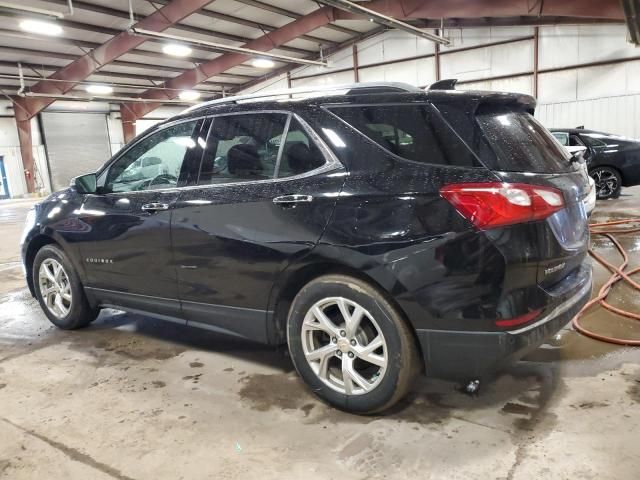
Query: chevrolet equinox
x=380 y=231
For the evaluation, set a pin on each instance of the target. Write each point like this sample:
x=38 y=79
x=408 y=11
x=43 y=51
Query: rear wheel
x=350 y=345
x=59 y=290
x=608 y=182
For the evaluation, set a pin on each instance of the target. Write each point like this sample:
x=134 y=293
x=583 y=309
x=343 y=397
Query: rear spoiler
x=478 y=101
x=447 y=84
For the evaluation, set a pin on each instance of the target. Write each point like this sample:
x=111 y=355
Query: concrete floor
x=134 y=398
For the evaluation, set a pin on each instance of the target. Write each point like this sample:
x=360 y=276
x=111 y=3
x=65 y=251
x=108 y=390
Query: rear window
x=413 y=132
x=522 y=144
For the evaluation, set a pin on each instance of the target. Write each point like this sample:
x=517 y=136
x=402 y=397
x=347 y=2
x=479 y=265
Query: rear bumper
x=464 y=355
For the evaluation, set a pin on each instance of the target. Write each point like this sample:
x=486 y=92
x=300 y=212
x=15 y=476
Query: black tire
x=402 y=359
x=80 y=313
x=608 y=182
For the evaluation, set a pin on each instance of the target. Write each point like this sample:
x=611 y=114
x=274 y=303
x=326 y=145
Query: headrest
x=300 y=159
x=243 y=160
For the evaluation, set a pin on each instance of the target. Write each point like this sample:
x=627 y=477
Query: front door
x=127 y=250
x=4 y=186
x=265 y=192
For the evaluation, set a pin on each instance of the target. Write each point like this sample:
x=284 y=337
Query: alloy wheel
x=606 y=183
x=344 y=346
x=55 y=287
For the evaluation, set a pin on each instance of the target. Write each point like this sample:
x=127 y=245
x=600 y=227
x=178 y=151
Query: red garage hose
x=617 y=273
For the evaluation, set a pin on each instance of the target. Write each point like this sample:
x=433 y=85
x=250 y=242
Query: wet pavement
x=131 y=397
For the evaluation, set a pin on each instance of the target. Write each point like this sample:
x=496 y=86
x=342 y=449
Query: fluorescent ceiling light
x=225 y=48
x=99 y=89
x=262 y=63
x=176 y=50
x=189 y=95
x=41 y=27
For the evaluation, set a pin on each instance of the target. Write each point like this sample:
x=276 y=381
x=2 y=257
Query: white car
x=590 y=200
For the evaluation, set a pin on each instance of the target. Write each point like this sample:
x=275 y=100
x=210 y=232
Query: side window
x=592 y=141
x=414 y=132
x=575 y=141
x=562 y=137
x=299 y=153
x=242 y=147
x=152 y=163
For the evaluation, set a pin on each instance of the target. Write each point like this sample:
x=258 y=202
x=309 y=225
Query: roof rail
x=344 y=89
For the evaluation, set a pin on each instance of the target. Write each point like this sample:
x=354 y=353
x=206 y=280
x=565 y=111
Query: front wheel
x=350 y=345
x=608 y=182
x=59 y=290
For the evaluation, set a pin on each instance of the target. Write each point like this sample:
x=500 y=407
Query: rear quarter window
x=414 y=132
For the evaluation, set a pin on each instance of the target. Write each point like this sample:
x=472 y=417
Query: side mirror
x=86 y=183
x=576 y=151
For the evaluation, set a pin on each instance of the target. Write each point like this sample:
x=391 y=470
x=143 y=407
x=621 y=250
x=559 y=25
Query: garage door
x=77 y=143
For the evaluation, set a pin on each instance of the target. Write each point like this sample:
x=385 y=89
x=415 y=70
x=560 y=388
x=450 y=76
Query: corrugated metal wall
x=77 y=143
x=600 y=97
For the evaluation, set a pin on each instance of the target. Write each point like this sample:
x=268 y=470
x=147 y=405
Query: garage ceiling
x=295 y=28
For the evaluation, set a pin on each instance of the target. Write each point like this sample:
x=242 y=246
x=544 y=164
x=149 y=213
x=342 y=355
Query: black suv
x=379 y=230
x=613 y=160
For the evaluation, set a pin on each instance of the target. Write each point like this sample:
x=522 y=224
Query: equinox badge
x=550 y=270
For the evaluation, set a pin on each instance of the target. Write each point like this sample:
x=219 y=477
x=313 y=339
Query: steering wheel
x=162 y=179
x=219 y=164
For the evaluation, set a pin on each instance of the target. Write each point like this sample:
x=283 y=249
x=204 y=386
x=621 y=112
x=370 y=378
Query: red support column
x=23 y=122
x=128 y=120
x=26 y=151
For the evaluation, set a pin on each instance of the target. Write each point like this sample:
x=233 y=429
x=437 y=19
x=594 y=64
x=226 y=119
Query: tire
x=65 y=304
x=608 y=182
x=377 y=386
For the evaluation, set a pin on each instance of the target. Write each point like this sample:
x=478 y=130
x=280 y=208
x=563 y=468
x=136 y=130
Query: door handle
x=290 y=199
x=155 y=207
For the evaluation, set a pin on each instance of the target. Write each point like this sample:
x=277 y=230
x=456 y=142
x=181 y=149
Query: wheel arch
x=623 y=182
x=35 y=244
x=294 y=278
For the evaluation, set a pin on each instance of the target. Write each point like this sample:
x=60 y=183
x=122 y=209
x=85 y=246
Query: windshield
x=522 y=144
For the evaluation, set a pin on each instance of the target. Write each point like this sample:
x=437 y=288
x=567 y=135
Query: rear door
x=266 y=190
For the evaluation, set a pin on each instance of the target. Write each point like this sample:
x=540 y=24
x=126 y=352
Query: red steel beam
x=408 y=9
x=190 y=78
x=118 y=45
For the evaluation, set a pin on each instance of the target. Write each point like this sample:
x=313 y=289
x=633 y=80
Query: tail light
x=494 y=204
